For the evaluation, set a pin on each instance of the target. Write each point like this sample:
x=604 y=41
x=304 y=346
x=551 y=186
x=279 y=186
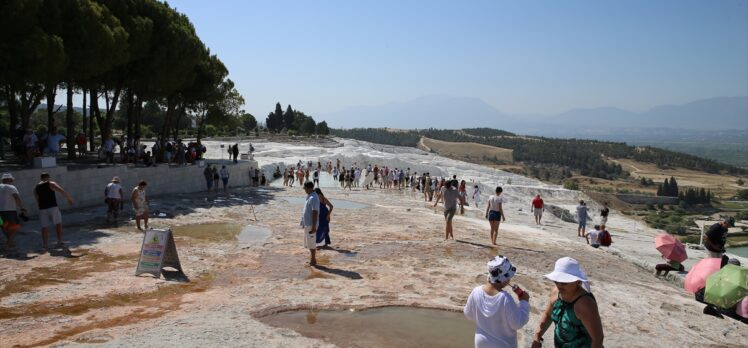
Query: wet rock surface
x=390 y=253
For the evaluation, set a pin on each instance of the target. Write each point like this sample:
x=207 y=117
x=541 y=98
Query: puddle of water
x=381 y=327
x=221 y=232
x=251 y=235
x=337 y=203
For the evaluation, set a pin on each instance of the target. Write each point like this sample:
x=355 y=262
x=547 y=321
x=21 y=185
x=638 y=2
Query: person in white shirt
x=109 y=149
x=10 y=203
x=496 y=315
x=224 y=177
x=495 y=213
x=593 y=237
x=113 y=199
x=476 y=196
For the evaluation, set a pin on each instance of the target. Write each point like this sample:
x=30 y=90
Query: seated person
x=668 y=266
x=593 y=237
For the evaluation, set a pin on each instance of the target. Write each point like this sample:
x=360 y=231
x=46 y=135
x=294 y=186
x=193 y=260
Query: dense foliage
x=586 y=156
x=294 y=122
x=126 y=53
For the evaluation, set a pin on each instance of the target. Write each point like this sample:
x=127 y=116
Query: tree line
x=294 y=122
x=586 y=156
x=126 y=53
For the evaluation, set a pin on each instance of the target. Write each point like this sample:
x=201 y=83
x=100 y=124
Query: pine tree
x=289 y=117
x=673 y=187
x=278 y=117
x=659 y=190
x=666 y=188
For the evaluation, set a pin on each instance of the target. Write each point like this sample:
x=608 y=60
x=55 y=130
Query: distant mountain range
x=440 y=111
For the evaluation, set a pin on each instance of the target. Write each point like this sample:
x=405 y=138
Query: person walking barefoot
x=495 y=213
x=450 y=195
x=49 y=212
x=140 y=202
x=310 y=221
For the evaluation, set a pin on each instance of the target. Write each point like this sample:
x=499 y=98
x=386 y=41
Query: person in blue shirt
x=310 y=221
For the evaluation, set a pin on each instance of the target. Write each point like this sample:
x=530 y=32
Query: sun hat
x=567 y=270
x=115 y=179
x=500 y=270
x=8 y=176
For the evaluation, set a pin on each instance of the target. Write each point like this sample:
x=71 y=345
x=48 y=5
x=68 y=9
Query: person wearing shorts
x=537 y=207
x=310 y=221
x=113 y=198
x=450 y=195
x=49 y=212
x=582 y=216
x=10 y=203
x=495 y=213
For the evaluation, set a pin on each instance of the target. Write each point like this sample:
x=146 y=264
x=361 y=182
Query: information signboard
x=158 y=251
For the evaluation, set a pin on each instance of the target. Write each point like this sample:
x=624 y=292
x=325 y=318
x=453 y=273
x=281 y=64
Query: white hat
x=500 y=270
x=567 y=270
x=7 y=176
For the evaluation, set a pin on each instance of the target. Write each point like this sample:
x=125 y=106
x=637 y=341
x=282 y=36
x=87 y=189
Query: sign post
x=158 y=251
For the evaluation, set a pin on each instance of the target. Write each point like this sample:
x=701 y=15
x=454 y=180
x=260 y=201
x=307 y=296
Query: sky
x=521 y=57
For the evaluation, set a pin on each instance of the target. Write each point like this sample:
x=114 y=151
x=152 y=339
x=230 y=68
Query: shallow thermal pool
x=381 y=327
x=223 y=232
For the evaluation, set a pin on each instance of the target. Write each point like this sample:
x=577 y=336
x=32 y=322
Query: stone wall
x=86 y=186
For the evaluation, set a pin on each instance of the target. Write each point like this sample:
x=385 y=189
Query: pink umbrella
x=670 y=247
x=742 y=308
x=696 y=277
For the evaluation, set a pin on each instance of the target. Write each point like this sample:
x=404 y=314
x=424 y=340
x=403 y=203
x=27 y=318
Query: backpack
x=605 y=239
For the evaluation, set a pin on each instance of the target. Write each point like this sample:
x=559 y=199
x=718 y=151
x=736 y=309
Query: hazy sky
x=522 y=57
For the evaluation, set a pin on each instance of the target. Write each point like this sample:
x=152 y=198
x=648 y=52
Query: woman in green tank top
x=572 y=308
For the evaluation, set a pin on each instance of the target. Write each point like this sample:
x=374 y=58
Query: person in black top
x=716 y=237
x=604 y=214
x=235 y=152
x=49 y=212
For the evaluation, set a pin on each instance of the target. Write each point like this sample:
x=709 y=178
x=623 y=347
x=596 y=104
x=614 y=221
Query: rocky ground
x=390 y=253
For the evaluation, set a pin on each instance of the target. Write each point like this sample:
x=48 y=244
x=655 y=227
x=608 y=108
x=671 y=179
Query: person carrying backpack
x=605 y=239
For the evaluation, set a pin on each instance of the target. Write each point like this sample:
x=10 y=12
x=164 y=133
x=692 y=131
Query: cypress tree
x=666 y=188
x=673 y=187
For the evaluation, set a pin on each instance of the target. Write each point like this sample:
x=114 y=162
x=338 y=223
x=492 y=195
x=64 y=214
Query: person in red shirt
x=537 y=207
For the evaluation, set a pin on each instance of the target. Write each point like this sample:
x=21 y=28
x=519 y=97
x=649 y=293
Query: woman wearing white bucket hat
x=497 y=317
x=573 y=309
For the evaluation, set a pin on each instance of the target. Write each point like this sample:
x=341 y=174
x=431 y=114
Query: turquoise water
x=740 y=251
x=381 y=327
